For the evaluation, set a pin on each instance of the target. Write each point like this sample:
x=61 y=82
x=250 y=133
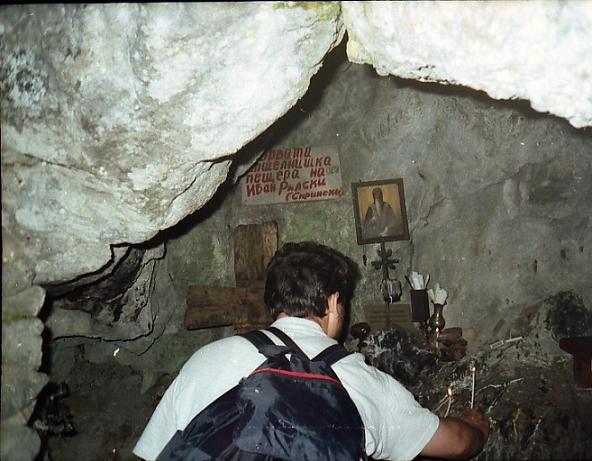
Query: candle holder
x=391 y=290
x=437 y=319
x=420 y=310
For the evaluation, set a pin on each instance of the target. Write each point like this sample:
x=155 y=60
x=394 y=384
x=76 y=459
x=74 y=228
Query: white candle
x=449 y=401
x=473 y=369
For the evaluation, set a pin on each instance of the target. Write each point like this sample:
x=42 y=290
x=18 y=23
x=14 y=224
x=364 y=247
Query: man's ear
x=332 y=302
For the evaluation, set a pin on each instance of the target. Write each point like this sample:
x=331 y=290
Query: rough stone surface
x=542 y=325
x=18 y=442
x=115 y=118
x=119 y=308
x=526 y=388
x=115 y=126
x=20 y=386
x=114 y=129
x=25 y=304
x=497 y=195
x=536 y=50
x=119 y=254
x=483 y=181
x=17 y=268
x=21 y=342
x=21 y=360
x=113 y=390
x=95 y=440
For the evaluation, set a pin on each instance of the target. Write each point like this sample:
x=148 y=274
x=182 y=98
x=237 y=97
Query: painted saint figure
x=380 y=219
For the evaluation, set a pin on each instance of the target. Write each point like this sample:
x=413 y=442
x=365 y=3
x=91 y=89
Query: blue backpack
x=287 y=409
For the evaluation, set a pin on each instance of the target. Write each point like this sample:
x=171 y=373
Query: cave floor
x=109 y=413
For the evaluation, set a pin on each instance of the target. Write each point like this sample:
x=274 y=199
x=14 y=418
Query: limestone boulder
x=21 y=380
x=119 y=120
x=537 y=50
x=19 y=442
x=119 y=307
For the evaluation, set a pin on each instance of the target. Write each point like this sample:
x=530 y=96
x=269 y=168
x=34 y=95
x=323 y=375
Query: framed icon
x=379 y=211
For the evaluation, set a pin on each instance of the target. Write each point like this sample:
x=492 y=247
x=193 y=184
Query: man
x=308 y=289
x=380 y=219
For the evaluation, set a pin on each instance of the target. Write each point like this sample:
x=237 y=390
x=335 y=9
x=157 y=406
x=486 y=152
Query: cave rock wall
x=509 y=50
x=120 y=120
x=497 y=197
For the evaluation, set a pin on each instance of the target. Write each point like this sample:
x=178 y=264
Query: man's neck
x=312 y=318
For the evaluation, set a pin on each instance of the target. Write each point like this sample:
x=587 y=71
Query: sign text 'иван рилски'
x=293 y=174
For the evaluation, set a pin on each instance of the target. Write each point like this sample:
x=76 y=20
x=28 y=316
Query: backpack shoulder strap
x=329 y=355
x=257 y=338
x=332 y=354
x=288 y=341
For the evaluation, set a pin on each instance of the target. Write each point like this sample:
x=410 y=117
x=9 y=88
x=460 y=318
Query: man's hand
x=476 y=419
x=459 y=438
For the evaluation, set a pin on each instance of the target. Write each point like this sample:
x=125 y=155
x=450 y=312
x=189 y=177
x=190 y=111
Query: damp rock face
x=489 y=47
x=119 y=307
x=401 y=354
x=567 y=316
x=120 y=120
x=117 y=122
x=525 y=388
x=21 y=379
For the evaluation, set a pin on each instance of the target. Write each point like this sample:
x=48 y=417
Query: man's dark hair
x=301 y=276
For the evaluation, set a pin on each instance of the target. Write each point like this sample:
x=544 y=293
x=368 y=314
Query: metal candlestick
x=437 y=319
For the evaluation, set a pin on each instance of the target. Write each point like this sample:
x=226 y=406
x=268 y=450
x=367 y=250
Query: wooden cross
x=243 y=306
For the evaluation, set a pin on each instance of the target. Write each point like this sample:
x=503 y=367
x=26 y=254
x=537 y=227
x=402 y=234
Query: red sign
x=293 y=174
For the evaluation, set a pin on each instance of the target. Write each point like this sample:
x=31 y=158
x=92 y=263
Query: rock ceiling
x=119 y=120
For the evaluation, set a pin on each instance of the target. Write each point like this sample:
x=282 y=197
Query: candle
x=473 y=370
x=449 y=401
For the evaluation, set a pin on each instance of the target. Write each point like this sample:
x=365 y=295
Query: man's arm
x=459 y=438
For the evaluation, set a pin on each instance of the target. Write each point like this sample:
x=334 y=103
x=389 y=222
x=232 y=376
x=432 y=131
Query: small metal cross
x=385 y=262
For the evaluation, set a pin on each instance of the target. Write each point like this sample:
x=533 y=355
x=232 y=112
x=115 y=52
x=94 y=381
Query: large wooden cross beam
x=243 y=306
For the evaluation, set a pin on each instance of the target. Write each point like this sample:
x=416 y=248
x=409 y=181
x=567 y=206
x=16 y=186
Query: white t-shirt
x=396 y=426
